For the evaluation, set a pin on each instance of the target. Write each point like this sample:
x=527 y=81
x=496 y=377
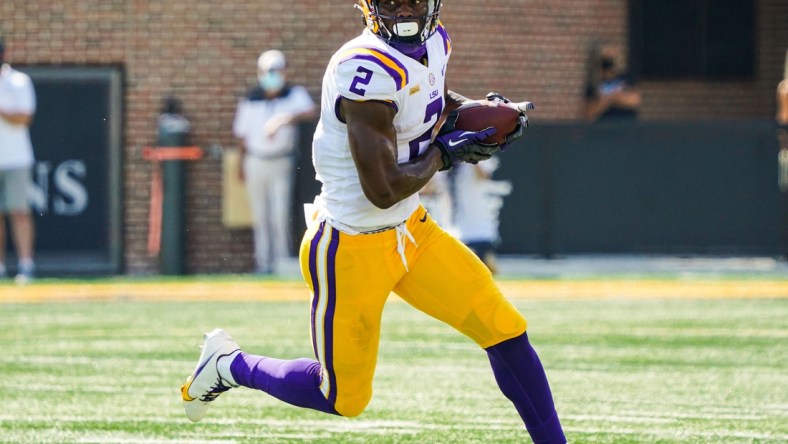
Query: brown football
x=476 y=116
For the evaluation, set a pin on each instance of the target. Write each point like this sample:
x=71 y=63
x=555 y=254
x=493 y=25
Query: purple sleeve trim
x=339 y=100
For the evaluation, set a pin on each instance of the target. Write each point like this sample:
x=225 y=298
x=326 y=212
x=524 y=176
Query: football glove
x=522 y=107
x=463 y=146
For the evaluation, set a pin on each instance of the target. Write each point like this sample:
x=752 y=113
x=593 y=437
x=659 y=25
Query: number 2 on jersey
x=433 y=109
x=364 y=77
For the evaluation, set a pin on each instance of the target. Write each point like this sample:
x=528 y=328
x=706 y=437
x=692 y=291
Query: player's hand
x=463 y=146
x=522 y=107
x=496 y=97
x=517 y=133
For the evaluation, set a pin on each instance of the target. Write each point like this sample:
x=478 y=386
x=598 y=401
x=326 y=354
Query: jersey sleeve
x=441 y=30
x=370 y=74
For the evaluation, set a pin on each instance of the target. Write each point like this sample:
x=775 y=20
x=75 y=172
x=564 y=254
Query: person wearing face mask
x=266 y=125
x=611 y=94
x=17 y=106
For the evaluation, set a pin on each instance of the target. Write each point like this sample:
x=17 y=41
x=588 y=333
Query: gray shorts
x=14 y=186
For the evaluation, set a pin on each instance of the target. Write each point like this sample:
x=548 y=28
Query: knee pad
x=493 y=322
x=353 y=405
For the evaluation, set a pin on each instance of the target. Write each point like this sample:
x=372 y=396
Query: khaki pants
x=269 y=187
x=14 y=186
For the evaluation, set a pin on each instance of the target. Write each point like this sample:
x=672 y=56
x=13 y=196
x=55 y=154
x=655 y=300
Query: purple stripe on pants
x=315 y=283
x=328 y=322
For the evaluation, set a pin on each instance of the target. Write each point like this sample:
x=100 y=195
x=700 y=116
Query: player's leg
x=449 y=282
x=345 y=320
x=519 y=373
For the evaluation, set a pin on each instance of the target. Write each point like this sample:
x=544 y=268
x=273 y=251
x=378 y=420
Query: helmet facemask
x=407 y=30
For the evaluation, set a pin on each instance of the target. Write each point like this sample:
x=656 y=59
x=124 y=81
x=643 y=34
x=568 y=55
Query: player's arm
x=373 y=145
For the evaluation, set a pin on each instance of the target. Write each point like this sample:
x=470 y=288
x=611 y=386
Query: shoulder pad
x=445 y=37
x=370 y=73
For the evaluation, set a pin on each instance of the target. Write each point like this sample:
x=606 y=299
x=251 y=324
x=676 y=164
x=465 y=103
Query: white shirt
x=254 y=111
x=17 y=96
x=366 y=68
x=478 y=201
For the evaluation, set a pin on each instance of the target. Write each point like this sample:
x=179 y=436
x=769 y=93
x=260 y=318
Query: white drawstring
x=313 y=215
x=402 y=232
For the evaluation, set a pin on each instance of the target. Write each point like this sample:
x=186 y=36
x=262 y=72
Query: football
x=476 y=116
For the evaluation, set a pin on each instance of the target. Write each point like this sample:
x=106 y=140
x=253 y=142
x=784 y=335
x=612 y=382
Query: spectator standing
x=17 y=106
x=782 y=157
x=266 y=123
x=782 y=98
x=611 y=94
x=437 y=200
x=477 y=201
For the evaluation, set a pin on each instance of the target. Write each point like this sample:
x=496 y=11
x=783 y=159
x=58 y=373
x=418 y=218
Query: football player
x=373 y=149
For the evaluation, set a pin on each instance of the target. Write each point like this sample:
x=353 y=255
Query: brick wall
x=204 y=52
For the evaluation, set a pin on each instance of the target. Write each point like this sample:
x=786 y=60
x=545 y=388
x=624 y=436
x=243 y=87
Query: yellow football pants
x=351 y=276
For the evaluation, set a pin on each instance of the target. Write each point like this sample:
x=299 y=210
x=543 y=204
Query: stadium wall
x=204 y=53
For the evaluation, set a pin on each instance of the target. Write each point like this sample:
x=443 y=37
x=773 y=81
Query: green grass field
x=623 y=370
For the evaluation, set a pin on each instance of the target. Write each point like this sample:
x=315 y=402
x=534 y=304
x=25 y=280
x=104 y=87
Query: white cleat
x=205 y=384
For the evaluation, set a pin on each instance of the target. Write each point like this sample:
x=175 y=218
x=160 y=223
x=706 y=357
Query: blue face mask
x=271 y=81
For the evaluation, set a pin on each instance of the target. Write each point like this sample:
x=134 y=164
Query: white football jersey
x=366 y=68
x=478 y=206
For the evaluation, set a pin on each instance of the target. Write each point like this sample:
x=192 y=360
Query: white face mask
x=271 y=81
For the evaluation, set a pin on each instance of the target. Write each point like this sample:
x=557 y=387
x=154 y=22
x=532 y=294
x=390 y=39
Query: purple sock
x=295 y=382
x=522 y=379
